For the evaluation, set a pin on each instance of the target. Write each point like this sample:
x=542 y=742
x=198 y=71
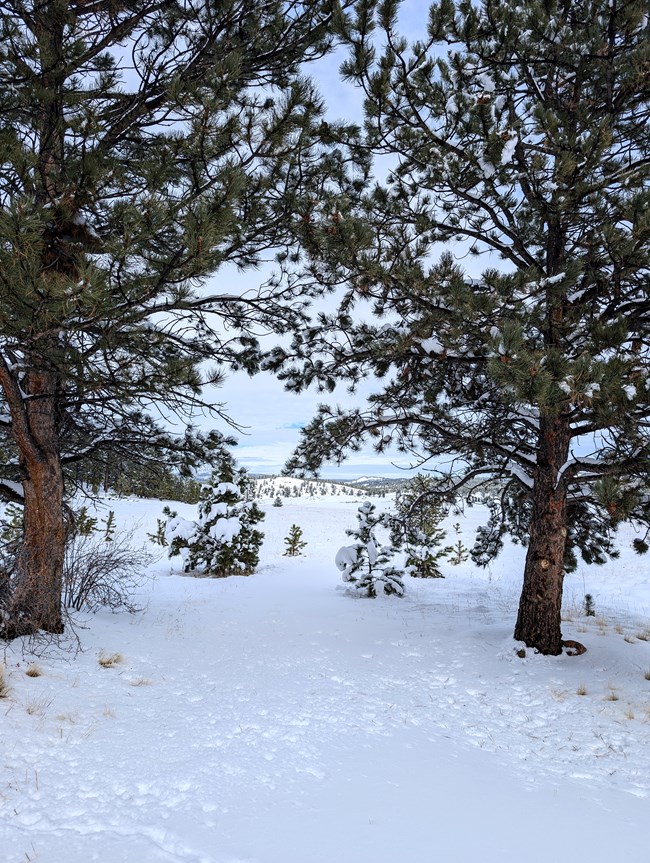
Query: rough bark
x=34 y=602
x=539 y=618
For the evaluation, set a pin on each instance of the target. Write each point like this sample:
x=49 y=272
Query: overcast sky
x=272 y=416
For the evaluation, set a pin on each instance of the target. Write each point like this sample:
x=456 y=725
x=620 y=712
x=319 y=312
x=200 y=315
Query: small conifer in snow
x=294 y=541
x=365 y=564
x=458 y=553
x=415 y=526
x=223 y=541
x=278 y=501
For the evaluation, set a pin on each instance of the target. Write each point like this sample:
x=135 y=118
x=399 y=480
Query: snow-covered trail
x=272 y=719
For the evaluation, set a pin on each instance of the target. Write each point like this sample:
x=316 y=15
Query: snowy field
x=272 y=719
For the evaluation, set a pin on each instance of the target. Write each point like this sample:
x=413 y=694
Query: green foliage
x=458 y=553
x=543 y=354
x=294 y=541
x=366 y=565
x=223 y=541
x=589 y=607
x=126 y=475
x=278 y=501
x=11 y=525
x=415 y=526
x=145 y=146
x=158 y=537
x=84 y=524
x=109 y=526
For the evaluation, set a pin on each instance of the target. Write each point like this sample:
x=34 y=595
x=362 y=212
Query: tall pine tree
x=145 y=146
x=519 y=131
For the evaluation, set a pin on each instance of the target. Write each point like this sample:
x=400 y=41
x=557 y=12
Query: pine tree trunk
x=539 y=618
x=35 y=600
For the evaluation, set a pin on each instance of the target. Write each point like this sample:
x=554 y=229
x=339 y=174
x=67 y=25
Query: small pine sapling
x=294 y=541
x=84 y=524
x=109 y=529
x=589 y=607
x=223 y=541
x=278 y=501
x=158 y=537
x=365 y=564
x=458 y=553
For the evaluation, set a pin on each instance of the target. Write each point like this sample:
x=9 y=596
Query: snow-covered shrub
x=365 y=564
x=223 y=540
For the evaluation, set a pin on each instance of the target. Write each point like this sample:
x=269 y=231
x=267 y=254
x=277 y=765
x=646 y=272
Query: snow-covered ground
x=273 y=719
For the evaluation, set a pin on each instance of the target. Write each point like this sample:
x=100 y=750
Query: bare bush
x=101 y=574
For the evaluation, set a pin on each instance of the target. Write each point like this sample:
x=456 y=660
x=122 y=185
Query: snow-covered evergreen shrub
x=365 y=564
x=223 y=541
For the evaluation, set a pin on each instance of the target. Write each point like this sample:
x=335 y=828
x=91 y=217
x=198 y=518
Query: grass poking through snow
x=4 y=686
x=109 y=660
x=33 y=671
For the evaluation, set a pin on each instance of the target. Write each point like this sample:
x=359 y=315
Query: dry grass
x=140 y=681
x=629 y=713
x=108 y=712
x=643 y=636
x=109 y=660
x=611 y=696
x=37 y=706
x=581 y=690
x=34 y=670
x=619 y=629
x=5 y=689
x=630 y=639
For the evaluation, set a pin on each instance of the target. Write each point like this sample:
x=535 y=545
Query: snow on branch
x=11 y=491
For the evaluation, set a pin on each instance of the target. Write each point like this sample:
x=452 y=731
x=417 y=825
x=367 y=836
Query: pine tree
x=365 y=564
x=278 y=501
x=520 y=133
x=144 y=147
x=223 y=541
x=415 y=526
x=458 y=553
x=294 y=541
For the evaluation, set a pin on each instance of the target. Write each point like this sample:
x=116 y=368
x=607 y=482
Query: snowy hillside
x=285 y=486
x=273 y=719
